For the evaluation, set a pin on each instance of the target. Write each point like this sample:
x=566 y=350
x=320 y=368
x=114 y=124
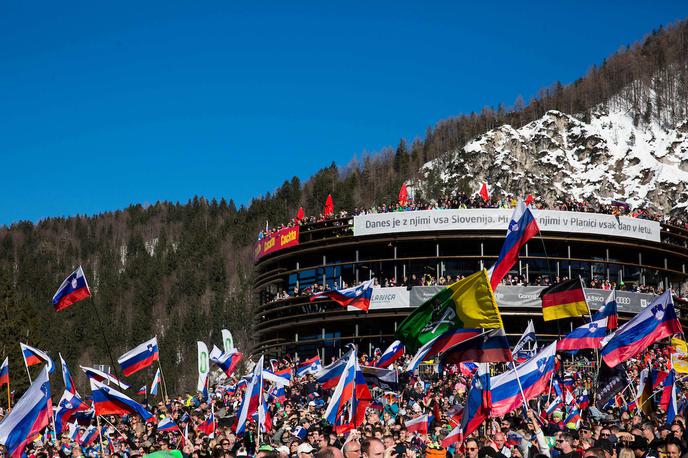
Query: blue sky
x=103 y=104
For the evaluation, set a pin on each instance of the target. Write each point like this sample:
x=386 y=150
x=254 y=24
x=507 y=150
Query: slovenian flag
x=139 y=357
x=73 y=289
x=167 y=424
x=5 y=372
x=310 y=366
x=34 y=356
x=589 y=335
x=478 y=402
x=28 y=417
x=89 y=436
x=393 y=352
x=522 y=228
x=109 y=401
x=655 y=322
x=67 y=408
x=143 y=391
x=534 y=376
x=356 y=296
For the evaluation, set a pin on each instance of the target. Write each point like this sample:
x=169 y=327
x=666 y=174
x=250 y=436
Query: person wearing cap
x=305 y=450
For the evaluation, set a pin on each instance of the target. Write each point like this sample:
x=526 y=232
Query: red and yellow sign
x=284 y=238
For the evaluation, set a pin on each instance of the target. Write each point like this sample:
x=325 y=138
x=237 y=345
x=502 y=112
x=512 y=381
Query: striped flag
x=564 y=300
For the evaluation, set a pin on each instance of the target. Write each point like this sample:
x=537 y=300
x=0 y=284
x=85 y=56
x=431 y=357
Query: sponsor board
x=498 y=219
x=506 y=296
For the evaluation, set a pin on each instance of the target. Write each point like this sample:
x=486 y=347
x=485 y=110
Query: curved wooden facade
x=328 y=252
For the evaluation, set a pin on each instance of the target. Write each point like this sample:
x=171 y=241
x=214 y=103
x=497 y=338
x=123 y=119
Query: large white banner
x=388 y=298
x=498 y=219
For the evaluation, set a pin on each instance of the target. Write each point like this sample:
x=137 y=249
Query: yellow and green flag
x=468 y=303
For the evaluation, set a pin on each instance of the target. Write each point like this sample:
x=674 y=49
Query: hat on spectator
x=305 y=448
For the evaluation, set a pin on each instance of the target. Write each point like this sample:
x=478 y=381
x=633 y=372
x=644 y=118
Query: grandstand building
x=419 y=247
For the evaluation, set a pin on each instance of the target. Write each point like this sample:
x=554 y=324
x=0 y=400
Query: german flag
x=564 y=300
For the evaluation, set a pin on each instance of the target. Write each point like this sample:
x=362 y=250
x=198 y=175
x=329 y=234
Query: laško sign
x=284 y=238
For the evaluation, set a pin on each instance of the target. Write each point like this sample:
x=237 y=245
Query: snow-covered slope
x=609 y=157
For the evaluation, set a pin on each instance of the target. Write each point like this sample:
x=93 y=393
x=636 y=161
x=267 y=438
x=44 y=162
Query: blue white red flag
x=252 y=397
x=5 y=372
x=522 y=228
x=227 y=361
x=556 y=403
x=167 y=424
x=356 y=296
x=442 y=343
x=393 y=352
x=609 y=311
x=672 y=408
x=490 y=347
x=589 y=335
x=100 y=376
x=527 y=336
x=534 y=376
x=28 y=417
x=67 y=408
x=283 y=379
x=573 y=419
x=655 y=322
x=658 y=378
x=328 y=376
x=74 y=432
x=156 y=383
x=73 y=289
x=139 y=357
x=109 y=401
x=143 y=391
x=583 y=401
x=310 y=366
x=350 y=398
x=478 y=402
x=89 y=436
x=34 y=356
x=67 y=377
x=667 y=390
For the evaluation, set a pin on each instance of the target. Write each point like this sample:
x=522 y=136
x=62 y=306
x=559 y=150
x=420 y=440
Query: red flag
x=403 y=195
x=300 y=214
x=529 y=199
x=329 y=205
x=483 y=192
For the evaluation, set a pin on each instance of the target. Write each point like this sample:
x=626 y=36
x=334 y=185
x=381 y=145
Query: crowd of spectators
x=297 y=427
x=462 y=200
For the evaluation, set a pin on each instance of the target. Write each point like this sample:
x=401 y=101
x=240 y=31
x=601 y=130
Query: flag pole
x=100 y=436
x=9 y=402
x=102 y=331
x=164 y=383
x=27 y=368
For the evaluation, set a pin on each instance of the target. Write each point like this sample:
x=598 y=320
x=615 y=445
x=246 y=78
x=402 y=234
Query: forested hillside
x=184 y=271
